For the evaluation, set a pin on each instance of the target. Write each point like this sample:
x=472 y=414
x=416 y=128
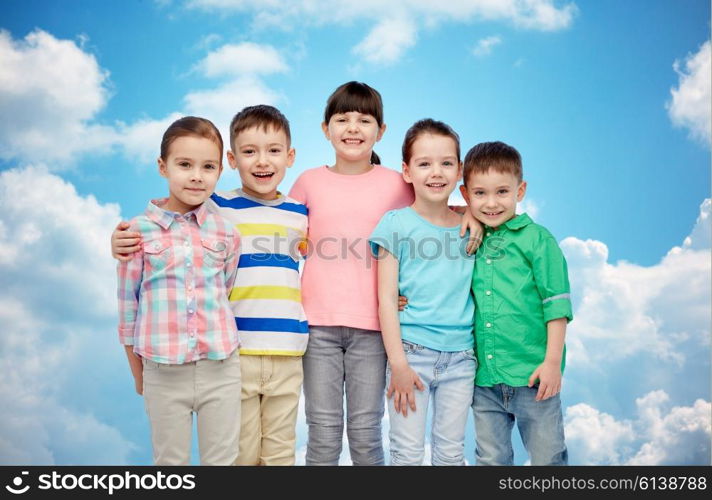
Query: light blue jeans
x=540 y=424
x=338 y=358
x=449 y=380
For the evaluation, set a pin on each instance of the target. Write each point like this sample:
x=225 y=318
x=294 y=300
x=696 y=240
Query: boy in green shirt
x=521 y=290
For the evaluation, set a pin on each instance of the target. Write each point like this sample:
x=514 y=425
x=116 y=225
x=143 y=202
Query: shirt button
x=186 y=243
x=190 y=311
x=190 y=288
x=489 y=234
x=486 y=293
x=488 y=325
x=489 y=356
x=188 y=264
x=488 y=261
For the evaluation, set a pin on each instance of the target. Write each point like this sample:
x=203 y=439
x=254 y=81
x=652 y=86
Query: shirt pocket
x=214 y=252
x=158 y=254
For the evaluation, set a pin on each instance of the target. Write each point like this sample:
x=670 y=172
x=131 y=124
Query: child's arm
x=403 y=378
x=474 y=226
x=231 y=263
x=124 y=243
x=129 y=275
x=549 y=372
x=136 y=368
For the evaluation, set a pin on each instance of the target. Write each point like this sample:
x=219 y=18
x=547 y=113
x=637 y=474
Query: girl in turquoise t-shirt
x=431 y=361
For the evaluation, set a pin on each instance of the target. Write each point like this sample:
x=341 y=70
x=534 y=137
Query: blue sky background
x=608 y=102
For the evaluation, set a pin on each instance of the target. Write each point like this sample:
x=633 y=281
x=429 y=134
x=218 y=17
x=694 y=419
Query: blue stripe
x=267 y=260
x=240 y=202
x=272 y=325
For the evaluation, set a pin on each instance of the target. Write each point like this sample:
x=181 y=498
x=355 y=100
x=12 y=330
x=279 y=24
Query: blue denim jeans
x=342 y=359
x=449 y=380
x=540 y=424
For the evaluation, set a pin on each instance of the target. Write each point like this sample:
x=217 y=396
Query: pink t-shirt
x=339 y=285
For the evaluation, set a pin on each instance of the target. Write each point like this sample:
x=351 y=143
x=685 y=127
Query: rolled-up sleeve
x=552 y=279
x=129 y=276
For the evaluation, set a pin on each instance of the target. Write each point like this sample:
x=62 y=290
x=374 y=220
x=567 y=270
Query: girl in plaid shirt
x=175 y=319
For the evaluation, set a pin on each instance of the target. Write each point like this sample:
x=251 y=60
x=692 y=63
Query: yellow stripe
x=266 y=292
x=265 y=229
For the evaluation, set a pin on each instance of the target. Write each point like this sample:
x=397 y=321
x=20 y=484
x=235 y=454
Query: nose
x=196 y=174
x=262 y=159
x=352 y=126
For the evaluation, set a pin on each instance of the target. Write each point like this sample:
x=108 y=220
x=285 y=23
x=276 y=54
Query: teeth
x=263 y=174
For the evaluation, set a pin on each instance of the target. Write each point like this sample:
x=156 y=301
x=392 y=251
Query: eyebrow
x=178 y=158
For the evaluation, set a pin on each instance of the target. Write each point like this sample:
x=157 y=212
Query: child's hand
x=549 y=375
x=402 y=302
x=138 y=381
x=476 y=230
x=124 y=243
x=401 y=388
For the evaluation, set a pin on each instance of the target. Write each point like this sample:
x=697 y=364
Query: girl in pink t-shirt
x=345 y=354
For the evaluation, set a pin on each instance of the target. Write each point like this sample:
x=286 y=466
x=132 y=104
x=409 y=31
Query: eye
x=448 y=163
x=275 y=150
x=503 y=191
x=423 y=164
x=478 y=192
x=365 y=120
x=210 y=166
x=248 y=151
x=184 y=164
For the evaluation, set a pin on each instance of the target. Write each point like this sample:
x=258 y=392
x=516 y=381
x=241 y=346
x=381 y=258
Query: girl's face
x=433 y=168
x=192 y=169
x=353 y=135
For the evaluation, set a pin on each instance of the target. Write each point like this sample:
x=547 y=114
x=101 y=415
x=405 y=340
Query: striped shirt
x=173 y=304
x=266 y=298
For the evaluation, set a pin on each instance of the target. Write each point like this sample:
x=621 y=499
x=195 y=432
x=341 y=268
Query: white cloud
x=237 y=60
x=658 y=436
x=59 y=350
x=484 y=46
x=690 y=106
x=50 y=91
x=625 y=309
x=397 y=22
x=387 y=41
x=54 y=90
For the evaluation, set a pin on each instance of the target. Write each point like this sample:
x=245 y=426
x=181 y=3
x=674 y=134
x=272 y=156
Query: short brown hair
x=190 y=126
x=428 y=126
x=495 y=155
x=261 y=115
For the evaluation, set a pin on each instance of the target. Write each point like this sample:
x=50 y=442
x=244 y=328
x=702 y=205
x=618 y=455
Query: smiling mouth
x=492 y=214
x=352 y=142
x=436 y=184
x=263 y=175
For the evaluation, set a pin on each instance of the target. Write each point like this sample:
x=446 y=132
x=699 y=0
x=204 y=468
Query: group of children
x=217 y=321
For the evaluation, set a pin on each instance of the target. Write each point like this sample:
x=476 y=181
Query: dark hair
x=428 y=126
x=496 y=155
x=262 y=115
x=190 y=126
x=356 y=96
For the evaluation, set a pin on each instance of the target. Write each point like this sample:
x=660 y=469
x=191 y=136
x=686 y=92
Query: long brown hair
x=190 y=126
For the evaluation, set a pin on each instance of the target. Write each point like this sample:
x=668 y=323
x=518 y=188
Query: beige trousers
x=209 y=388
x=271 y=386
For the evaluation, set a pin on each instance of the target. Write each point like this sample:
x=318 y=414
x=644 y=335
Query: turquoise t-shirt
x=435 y=274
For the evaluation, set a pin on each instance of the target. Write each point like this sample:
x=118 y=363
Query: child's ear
x=465 y=194
x=406 y=173
x=162 y=169
x=381 y=131
x=325 y=129
x=291 y=155
x=521 y=191
x=231 y=159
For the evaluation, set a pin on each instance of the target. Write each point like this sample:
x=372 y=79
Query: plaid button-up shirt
x=173 y=301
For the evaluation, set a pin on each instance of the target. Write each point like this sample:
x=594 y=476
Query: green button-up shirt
x=520 y=283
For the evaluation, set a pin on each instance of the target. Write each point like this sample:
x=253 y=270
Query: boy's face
x=493 y=196
x=192 y=169
x=261 y=157
x=433 y=168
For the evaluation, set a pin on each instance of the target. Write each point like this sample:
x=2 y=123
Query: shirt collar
x=517 y=222
x=164 y=218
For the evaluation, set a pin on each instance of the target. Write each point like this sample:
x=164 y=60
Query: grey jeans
x=342 y=359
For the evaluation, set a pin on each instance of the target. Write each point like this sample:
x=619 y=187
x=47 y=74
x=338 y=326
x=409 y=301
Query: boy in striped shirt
x=266 y=297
